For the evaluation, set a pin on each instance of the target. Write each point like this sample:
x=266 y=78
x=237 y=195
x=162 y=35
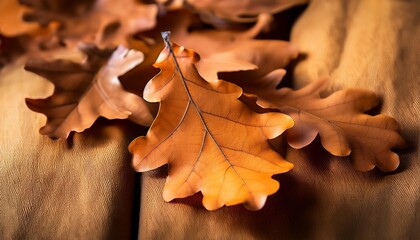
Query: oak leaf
x=106 y=23
x=16 y=36
x=85 y=91
x=339 y=119
x=266 y=55
x=227 y=50
x=11 y=23
x=210 y=140
x=242 y=10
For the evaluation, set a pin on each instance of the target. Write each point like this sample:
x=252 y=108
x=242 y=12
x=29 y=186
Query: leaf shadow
x=281 y=26
x=288 y=213
x=103 y=131
x=127 y=202
x=194 y=201
x=287 y=80
x=161 y=172
x=316 y=156
x=136 y=79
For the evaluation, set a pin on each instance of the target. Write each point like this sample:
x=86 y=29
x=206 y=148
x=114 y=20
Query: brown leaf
x=185 y=27
x=16 y=36
x=242 y=10
x=265 y=55
x=339 y=119
x=211 y=141
x=227 y=50
x=11 y=23
x=85 y=91
x=103 y=22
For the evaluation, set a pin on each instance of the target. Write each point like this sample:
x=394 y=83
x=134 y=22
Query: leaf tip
x=209 y=204
x=167 y=196
x=392 y=164
x=280 y=122
x=287 y=166
x=257 y=204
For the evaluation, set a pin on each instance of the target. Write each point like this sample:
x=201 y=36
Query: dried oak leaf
x=339 y=119
x=227 y=50
x=265 y=55
x=242 y=10
x=85 y=91
x=102 y=22
x=211 y=141
x=16 y=36
x=11 y=23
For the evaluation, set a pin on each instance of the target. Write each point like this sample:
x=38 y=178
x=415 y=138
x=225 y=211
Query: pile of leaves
x=207 y=89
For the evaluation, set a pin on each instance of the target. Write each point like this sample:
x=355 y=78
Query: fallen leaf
x=85 y=91
x=227 y=50
x=102 y=22
x=38 y=44
x=11 y=23
x=339 y=119
x=265 y=55
x=210 y=140
x=185 y=27
x=242 y=10
x=16 y=36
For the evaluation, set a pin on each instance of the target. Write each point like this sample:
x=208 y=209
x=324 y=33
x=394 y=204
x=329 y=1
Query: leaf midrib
x=206 y=129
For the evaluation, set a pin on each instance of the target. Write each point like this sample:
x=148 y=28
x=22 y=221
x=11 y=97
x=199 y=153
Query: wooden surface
x=84 y=189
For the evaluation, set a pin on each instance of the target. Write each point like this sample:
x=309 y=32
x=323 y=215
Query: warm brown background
x=85 y=188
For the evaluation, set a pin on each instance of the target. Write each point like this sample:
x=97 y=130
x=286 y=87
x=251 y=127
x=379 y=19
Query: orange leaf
x=104 y=23
x=242 y=10
x=227 y=50
x=211 y=141
x=11 y=23
x=85 y=91
x=339 y=119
